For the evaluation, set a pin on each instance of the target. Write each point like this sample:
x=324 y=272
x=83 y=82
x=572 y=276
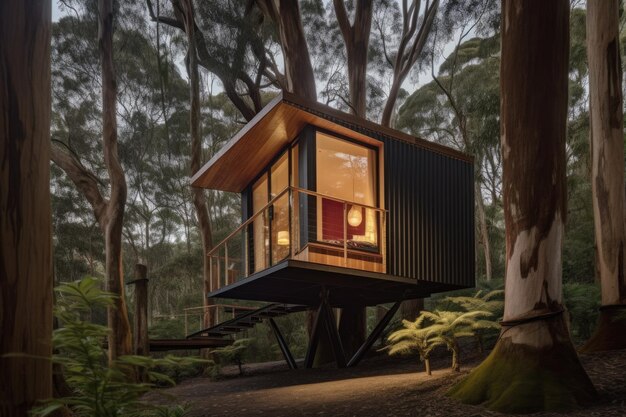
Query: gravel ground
x=379 y=386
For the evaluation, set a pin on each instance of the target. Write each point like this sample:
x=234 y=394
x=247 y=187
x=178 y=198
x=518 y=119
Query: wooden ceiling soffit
x=240 y=160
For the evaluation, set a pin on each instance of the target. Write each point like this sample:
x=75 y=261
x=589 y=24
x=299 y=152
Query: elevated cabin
x=338 y=205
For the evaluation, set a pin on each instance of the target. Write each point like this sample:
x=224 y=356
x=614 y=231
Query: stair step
x=244 y=324
x=247 y=320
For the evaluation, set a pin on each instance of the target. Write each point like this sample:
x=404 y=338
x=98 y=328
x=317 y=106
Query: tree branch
x=83 y=179
x=344 y=22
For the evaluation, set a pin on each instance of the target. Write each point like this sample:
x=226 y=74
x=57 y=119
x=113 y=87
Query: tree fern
x=414 y=338
x=453 y=325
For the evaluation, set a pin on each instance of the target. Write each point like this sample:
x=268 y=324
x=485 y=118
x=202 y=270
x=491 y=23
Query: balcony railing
x=305 y=225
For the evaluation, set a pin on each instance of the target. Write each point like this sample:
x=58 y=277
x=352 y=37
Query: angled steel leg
x=333 y=335
x=314 y=339
x=283 y=345
x=374 y=335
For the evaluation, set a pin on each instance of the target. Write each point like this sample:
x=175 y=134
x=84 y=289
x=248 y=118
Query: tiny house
x=333 y=204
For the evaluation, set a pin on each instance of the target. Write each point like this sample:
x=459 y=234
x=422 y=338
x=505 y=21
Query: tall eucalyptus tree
x=534 y=366
x=25 y=226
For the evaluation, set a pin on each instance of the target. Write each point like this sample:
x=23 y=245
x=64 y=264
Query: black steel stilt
x=333 y=335
x=314 y=339
x=374 y=335
x=283 y=345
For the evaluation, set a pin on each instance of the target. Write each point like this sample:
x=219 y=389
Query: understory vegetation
x=468 y=317
x=90 y=384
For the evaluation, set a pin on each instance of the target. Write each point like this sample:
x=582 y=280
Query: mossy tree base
x=520 y=376
x=610 y=333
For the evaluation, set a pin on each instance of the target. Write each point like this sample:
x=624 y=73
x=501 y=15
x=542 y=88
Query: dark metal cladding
x=430 y=201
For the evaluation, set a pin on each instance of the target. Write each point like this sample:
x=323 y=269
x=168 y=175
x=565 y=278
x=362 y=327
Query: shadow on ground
x=379 y=386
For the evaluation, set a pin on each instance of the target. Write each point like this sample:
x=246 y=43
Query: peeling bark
x=109 y=213
x=607 y=170
x=607 y=145
x=533 y=132
x=120 y=342
x=25 y=223
x=534 y=366
x=518 y=378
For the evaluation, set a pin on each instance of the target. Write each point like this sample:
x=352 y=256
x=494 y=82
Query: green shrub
x=233 y=353
x=99 y=388
x=432 y=329
x=582 y=301
x=489 y=301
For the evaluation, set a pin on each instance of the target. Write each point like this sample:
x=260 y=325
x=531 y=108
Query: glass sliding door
x=279 y=181
x=260 y=225
x=270 y=228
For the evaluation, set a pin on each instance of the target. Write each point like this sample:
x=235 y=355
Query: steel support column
x=333 y=335
x=283 y=345
x=314 y=339
x=374 y=335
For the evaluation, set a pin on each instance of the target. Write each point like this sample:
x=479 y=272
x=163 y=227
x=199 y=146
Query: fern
x=414 y=337
x=99 y=388
x=582 y=301
x=234 y=353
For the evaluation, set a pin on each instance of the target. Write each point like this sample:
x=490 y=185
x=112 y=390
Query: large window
x=346 y=171
x=339 y=211
x=270 y=228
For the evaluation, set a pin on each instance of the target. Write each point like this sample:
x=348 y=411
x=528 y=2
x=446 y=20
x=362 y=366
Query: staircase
x=246 y=320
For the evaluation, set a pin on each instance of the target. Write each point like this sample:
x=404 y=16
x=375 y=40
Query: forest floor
x=379 y=386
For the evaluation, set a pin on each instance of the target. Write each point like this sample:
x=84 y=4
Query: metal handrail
x=273 y=200
x=328 y=197
x=220 y=252
x=247 y=222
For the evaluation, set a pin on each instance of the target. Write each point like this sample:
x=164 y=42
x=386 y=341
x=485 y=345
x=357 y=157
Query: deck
x=299 y=282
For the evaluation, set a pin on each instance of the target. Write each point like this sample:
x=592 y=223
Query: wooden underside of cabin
x=299 y=282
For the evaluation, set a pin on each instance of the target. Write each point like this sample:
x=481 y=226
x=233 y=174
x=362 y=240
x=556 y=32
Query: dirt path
x=376 y=388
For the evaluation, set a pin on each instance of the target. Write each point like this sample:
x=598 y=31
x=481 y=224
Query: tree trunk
x=25 y=222
x=352 y=323
x=352 y=328
x=301 y=81
x=199 y=198
x=412 y=42
x=298 y=68
x=410 y=309
x=141 y=342
x=456 y=360
x=484 y=232
x=607 y=172
x=534 y=366
x=120 y=342
x=356 y=37
x=427 y=366
x=390 y=103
